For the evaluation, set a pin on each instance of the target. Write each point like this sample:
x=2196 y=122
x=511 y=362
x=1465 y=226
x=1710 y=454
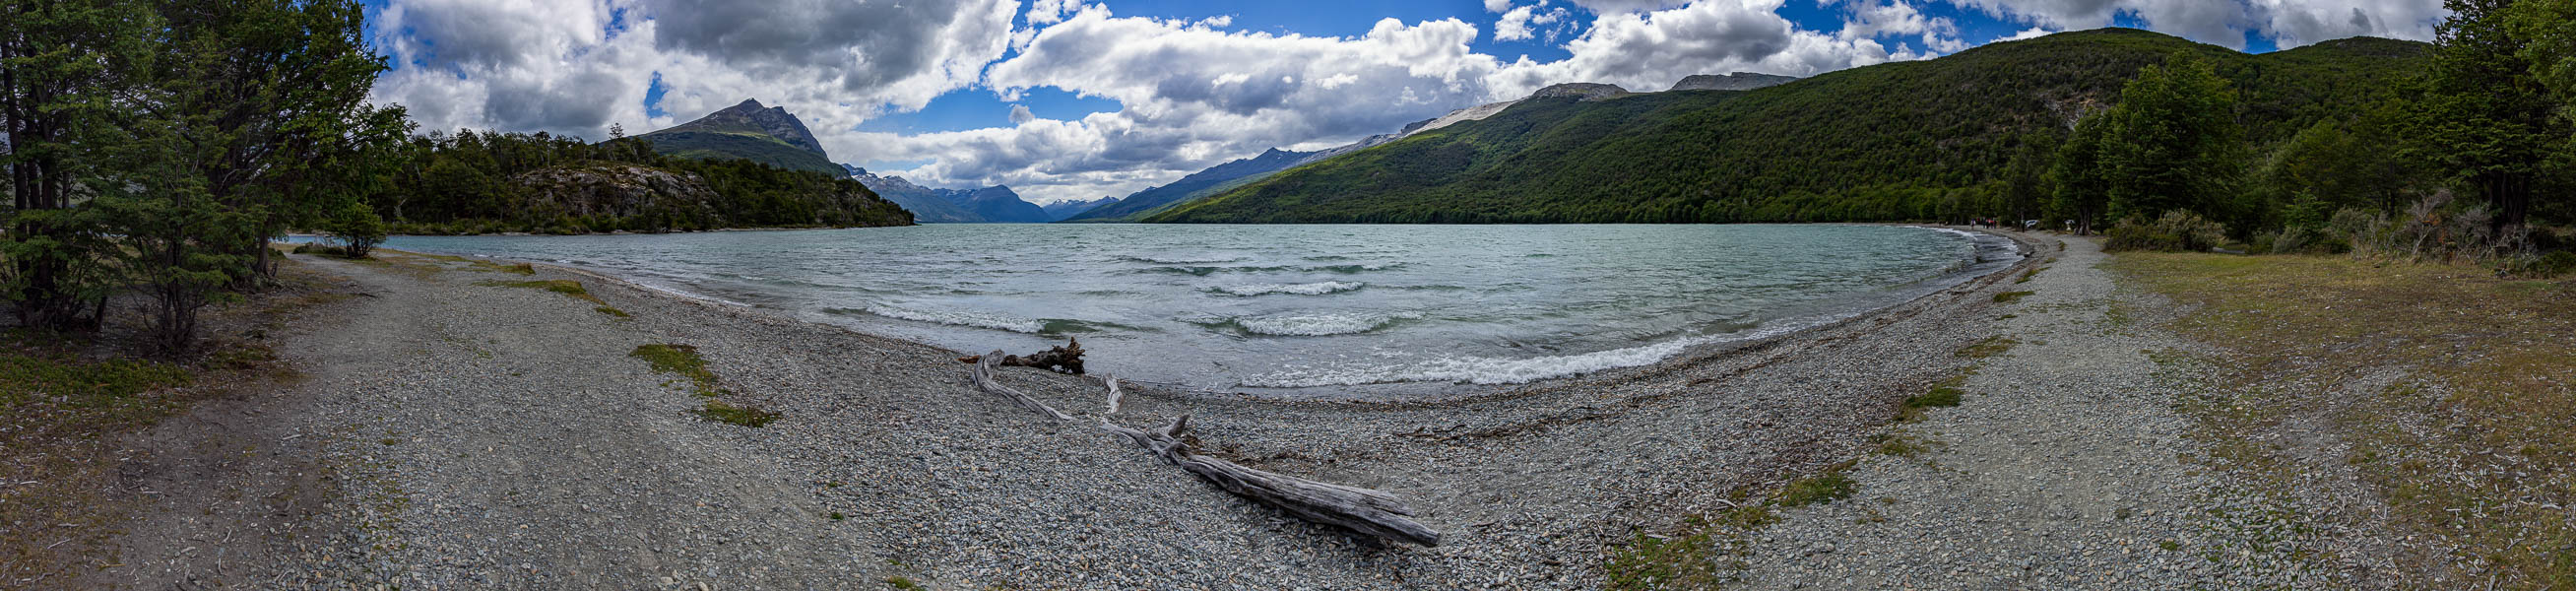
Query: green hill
x=747 y=131
x=1885 y=142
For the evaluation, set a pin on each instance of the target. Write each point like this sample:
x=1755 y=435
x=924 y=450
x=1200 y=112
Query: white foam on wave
x=1490 y=370
x=959 y=318
x=1316 y=288
x=1317 y=325
x=1963 y=233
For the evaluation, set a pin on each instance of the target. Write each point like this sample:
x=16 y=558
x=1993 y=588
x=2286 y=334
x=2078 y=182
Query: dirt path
x=2065 y=467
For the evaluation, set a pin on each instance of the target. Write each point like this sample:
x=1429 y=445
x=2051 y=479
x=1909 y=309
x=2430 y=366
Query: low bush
x=359 y=230
x=2177 y=231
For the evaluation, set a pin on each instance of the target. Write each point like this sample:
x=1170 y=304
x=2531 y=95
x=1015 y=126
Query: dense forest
x=155 y=147
x=2075 y=130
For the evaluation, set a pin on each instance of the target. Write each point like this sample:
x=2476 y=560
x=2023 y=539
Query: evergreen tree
x=2080 y=192
x=2485 y=117
x=2173 y=142
x=66 y=70
x=274 y=94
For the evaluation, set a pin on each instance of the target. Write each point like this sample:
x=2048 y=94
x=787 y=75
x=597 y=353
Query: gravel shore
x=2065 y=466
x=487 y=436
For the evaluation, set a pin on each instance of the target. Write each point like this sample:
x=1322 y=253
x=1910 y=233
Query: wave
x=953 y=318
x=1964 y=233
x=1181 y=260
x=1317 y=288
x=1351 y=269
x=1308 y=325
x=1493 y=371
x=1206 y=270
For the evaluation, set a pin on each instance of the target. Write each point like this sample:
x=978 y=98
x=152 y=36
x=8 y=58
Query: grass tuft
x=613 y=312
x=1828 y=487
x=2011 y=296
x=748 y=416
x=682 y=360
x=1989 y=347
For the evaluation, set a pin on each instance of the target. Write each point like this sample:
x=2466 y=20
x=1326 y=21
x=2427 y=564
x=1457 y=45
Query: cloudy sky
x=1068 y=99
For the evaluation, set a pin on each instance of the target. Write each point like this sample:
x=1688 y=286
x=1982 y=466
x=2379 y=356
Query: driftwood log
x=982 y=375
x=1358 y=509
x=1066 y=359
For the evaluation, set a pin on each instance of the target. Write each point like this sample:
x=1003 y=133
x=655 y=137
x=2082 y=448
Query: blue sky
x=1068 y=99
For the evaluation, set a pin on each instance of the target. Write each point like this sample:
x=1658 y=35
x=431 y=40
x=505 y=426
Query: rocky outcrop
x=1588 y=91
x=617 y=191
x=1735 y=81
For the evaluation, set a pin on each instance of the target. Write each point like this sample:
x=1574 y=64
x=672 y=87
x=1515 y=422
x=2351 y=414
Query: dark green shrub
x=2177 y=231
x=358 y=229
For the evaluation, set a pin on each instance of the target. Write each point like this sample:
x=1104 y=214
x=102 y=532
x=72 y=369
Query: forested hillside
x=1928 y=140
x=473 y=182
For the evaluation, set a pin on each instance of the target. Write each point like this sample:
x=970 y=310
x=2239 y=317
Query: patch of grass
x=1669 y=562
x=107 y=387
x=2169 y=545
x=905 y=584
x=567 y=287
x=613 y=312
x=2011 y=296
x=2454 y=390
x=837 y=516
x=1828 y=487
x=1944 y=394
x=2027 y=275
x=748 y=416
x=1988 y=347
x=684 y=361
x=1903 y=446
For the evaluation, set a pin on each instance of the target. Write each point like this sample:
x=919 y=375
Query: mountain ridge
x=747 y=131
x=1885 y=142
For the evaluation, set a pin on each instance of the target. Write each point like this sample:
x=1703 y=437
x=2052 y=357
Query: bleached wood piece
x=1357 y=509
x=1114 y=394
x=982 y=375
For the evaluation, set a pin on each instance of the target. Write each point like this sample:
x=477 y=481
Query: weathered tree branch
x=1358 y=509
x=1114 y=394
x=982 y=375
x=1063 y=359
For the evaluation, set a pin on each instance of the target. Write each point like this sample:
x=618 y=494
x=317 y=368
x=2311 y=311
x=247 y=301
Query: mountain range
x=953 y=206
x=1882 y=142
x=1228 y=176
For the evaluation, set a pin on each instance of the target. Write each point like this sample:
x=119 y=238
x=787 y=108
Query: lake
x=1296 y=310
